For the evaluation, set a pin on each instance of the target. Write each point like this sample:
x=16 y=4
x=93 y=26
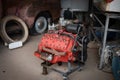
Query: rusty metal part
x=54 y=51
x=45 y=55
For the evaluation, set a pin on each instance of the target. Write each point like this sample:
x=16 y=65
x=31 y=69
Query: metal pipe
x=104 y=42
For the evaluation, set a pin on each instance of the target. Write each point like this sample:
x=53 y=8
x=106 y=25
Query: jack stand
x=45 y=72
x=45 y=65
x=64 y=74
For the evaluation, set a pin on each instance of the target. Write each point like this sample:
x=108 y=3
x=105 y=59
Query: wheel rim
x=40 y=24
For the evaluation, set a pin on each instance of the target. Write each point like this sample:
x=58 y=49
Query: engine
x=63 y=46
x=56 y=48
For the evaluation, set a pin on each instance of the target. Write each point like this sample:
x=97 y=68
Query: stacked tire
x=19 y=22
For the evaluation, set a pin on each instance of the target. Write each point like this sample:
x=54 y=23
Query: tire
x=41 y=24
x=21 y=25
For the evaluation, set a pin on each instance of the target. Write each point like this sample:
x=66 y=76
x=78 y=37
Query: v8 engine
x=56 y=48
x=63 y=46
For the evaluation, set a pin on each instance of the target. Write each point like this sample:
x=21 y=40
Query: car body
x=20 y=15
x=30 y=10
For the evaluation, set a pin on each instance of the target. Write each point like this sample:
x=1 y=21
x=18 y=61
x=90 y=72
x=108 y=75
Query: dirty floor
x=21 y=64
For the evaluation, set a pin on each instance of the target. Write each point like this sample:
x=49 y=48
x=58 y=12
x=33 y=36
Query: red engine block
x=55 y=48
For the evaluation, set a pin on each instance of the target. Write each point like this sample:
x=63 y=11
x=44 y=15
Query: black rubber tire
x=4 y=34
x=41 y=24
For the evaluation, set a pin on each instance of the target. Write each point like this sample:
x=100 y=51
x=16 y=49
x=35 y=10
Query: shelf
x=111 y=30
x=105 y=28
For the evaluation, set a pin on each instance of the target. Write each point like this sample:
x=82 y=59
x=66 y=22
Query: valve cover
x=58 y=42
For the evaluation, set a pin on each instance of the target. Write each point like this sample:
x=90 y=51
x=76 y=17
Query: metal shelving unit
x=105 y=28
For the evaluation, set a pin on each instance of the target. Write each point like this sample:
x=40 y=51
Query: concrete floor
x=21 y=64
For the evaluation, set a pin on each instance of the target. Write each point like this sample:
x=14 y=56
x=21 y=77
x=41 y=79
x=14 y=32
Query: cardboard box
x=113 y=6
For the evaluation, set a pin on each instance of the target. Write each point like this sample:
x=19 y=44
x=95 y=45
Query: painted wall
x=113 y=6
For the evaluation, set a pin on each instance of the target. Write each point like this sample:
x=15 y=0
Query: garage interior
x=59 y=40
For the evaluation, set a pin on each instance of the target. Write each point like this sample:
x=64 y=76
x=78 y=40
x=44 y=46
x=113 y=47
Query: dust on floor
x=21 y=64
